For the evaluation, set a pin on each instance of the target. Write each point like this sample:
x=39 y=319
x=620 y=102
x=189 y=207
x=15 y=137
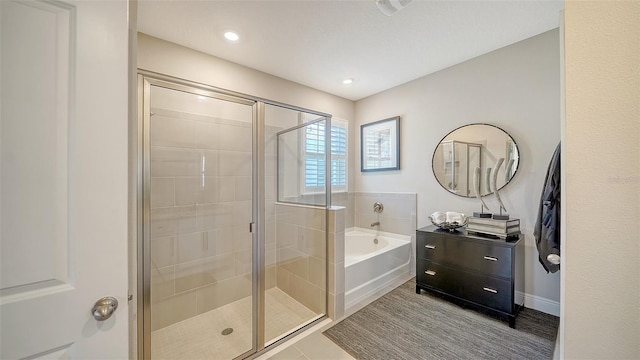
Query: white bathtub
x=369 y=266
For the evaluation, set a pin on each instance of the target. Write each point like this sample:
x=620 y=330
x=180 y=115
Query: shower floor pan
x=201 y=337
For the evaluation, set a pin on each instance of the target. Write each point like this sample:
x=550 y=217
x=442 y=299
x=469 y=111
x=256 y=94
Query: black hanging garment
x=547 y=228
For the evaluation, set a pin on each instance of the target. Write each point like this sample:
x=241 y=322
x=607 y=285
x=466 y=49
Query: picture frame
x=380 y=145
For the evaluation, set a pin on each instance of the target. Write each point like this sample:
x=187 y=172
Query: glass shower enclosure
x=225 y=269
x=454 y=166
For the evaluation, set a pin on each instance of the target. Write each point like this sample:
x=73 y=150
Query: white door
x=63 y=147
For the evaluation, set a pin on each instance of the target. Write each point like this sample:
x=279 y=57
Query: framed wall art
x=380 y=145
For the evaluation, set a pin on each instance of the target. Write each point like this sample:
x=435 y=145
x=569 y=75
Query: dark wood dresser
x=483 y=273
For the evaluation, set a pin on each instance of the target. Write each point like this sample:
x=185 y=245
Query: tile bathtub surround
x=200 y=208
x=398 y=216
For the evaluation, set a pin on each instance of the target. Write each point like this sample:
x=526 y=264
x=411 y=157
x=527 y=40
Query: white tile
x=234 y=163
x=163 y=222
x=162 y=192
x=163 y=251
x=167 y=162
x=226 y=188
x=207 y=135
x=173 y=221
x=242 y=238
x=313 y=242
x=187 y=221
x=162 y=283
x=210 y=243
x=224 y=240
x=290 y=353
x=192 y=275
x=235 y=138
x=306 y=293
x=221 y=267
x=317 y=271
x=209 y=163
x=314 y=218
x=339 y=279
x=213 y=216
x=270 y=187
x=243 y=262
x=222 y=293
x=190 y=247
x=242 y=213
x=243 y=188
x=396 y=225
x=196 y=190
x=174 y=132
x=200 y=336
x=173 y=309
x=318 y=347
x=271 y=164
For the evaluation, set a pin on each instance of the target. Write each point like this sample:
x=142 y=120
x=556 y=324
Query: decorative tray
x=449 y=220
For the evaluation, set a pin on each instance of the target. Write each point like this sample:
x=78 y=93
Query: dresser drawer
x=485 y=257
x=429 y=246
x=491 y=292
x=480 y=289
x=440 y=277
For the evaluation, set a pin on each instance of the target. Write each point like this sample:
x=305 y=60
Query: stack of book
x=488 y=226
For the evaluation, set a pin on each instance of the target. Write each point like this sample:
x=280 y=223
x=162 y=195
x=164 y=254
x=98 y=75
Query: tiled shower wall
x=301 y=254
x=348 y=201
x=200 y=210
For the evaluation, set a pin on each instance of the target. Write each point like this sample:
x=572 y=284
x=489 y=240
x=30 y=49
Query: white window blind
x=314 y=173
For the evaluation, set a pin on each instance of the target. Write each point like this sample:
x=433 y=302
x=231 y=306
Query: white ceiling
x=320 y=43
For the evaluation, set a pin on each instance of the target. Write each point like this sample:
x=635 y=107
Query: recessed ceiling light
x=231 y=36
x=347 y=81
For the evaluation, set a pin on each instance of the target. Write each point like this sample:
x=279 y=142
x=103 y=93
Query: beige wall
x=168 y=58
x=516 y=88
x=601 y=258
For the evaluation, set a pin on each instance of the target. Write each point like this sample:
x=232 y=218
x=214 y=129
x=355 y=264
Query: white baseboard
x=539 y=303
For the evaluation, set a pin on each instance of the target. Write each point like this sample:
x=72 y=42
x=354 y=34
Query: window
x=314 y=169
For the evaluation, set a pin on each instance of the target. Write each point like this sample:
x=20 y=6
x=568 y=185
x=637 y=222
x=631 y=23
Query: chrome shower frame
x=145 y=80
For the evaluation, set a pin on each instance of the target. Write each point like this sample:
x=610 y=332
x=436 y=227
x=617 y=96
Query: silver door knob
x=104 y=308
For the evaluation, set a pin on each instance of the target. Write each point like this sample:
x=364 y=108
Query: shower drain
x=227 y=331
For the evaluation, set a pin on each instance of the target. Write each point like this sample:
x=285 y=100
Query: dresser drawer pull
x=428 y=246
x=490 y=290
x=430 y=272
x=491 y=258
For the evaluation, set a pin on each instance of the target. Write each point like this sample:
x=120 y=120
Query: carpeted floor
x=405 y=325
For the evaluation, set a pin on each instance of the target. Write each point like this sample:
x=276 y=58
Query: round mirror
x=465 y=161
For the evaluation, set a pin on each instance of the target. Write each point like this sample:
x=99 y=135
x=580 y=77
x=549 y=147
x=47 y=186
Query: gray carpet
x=405 y=325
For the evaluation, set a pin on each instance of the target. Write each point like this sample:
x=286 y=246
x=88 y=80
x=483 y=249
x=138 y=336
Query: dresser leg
x=418 y=288
x=512 y=322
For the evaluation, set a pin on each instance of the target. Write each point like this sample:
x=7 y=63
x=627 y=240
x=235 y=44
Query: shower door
x=227 y=268
x=198 y=201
